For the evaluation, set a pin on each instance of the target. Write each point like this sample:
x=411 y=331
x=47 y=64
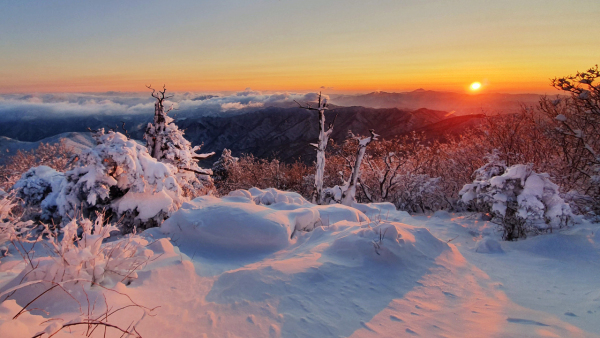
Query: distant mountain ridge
x=459 y=103
x=271 y=132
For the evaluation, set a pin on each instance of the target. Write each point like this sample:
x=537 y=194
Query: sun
x=475 y=86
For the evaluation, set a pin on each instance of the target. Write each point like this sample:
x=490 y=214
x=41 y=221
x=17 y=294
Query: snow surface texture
x=351 y=276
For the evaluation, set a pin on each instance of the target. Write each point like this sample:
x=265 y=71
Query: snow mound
x=442 y=214
x=488 y=246
x=384 y=211
x=386 y=242
x=270 y=196
x=235 y=224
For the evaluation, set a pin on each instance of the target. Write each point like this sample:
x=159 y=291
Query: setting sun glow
x=475 y=86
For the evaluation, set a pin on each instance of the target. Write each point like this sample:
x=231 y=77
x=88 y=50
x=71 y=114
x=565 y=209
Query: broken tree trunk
x=349 y=195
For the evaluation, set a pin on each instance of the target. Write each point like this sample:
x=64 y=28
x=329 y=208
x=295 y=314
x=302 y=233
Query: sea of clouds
x=19 y=106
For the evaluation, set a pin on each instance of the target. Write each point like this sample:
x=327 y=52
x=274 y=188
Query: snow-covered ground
x=264 y=263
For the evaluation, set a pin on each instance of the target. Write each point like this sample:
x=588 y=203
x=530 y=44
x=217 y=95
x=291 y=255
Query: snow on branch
x=166 y=143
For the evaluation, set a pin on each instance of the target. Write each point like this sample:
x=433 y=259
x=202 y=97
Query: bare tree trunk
x=154 y=132
x=321 y=146
x=159 y=125
x=349 y=195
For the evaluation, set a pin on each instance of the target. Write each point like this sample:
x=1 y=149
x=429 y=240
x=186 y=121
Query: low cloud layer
x=13 y=106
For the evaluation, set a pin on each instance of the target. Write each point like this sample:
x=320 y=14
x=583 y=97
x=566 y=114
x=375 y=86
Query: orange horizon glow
x=295 y=46
x=341 y=84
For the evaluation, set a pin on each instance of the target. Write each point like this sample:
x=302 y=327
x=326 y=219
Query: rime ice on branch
x=166 y=143
x=318 y=195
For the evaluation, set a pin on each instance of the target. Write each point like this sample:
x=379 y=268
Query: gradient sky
x=294 y=45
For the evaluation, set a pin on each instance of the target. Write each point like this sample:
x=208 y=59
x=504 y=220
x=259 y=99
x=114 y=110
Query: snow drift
x=253 y=221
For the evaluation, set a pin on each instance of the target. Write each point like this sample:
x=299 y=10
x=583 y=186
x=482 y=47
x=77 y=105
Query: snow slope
x=77 y=141
x=247 y=266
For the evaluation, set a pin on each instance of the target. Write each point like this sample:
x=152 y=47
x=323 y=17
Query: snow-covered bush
x=38 y=188
x=166 y=143
x=78 y=263
x=119 y=176
x=223 y=166
x=80 y=254
x=522 y=201
x=11 y=228
x=57 y=156
x=470 y=193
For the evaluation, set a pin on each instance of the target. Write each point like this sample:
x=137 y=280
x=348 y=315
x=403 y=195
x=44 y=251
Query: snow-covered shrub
x=166 y=143
x=57 y=156
x=522 y=201
x=39 y=187
x=11 y=227
x=80 y=254
x=470 y=193
x=119 y=176
x=223 y=166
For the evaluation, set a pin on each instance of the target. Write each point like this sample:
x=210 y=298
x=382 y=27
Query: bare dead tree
x=349 y=195
x=321 y=146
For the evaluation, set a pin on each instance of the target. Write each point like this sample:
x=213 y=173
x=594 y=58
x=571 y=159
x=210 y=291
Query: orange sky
x=346 y=46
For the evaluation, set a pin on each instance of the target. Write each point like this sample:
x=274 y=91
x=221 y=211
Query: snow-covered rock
x=270 y=196
x=250 y=221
